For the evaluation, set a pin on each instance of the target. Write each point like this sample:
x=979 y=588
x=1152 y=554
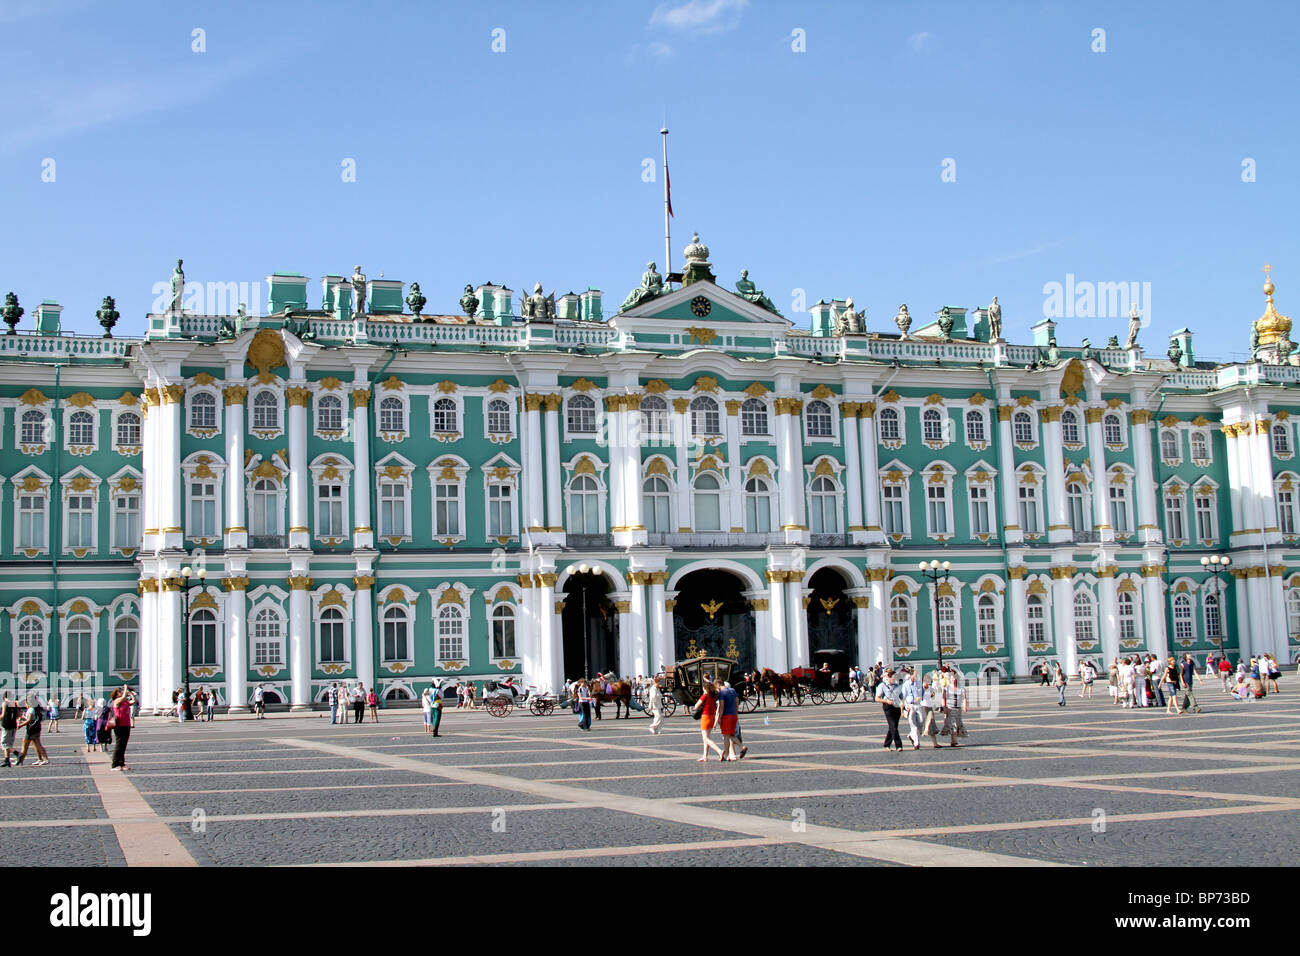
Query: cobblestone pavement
x=1033 y=784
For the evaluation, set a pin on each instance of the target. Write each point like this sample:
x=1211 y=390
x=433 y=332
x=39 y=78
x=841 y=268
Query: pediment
x=723 y=308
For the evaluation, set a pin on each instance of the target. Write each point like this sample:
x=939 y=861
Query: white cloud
x=661 y=49
x=917 y=41
x=700 y=16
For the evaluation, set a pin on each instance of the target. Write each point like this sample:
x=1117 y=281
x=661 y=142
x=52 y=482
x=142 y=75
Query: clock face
x=701 y=306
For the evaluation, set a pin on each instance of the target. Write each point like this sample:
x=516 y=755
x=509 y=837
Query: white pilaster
x=1100 y=483
x=236 y=639
x=554 y=473
x=853 y=470
x=363 y=535
x=1019 y=626
x=1109 y=623
x=300 y=642
x=236 y=530
x=147 y=679
x=735 y=469
x=1058 y=519
x=880 y=647
x=614 y=478
x=1153 y=611
x=172 y=536
x=1148 y=524
x=1277 y=642
x=1012 y=532
x=661 y=649
x=151 y=464
x=363 y=623
x=297 y=396
x=870 y=472
x=797 y=616
x=861 y=598
x=636 y=619
x=681 y=428
x=1063 y=618
x=776 y=587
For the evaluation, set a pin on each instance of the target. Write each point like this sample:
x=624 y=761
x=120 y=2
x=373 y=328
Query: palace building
x=549 y=487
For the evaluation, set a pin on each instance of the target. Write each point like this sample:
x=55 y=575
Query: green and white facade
x=394 y=499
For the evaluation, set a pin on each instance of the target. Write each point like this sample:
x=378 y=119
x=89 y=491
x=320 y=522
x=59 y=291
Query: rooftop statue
x=1112 y=342
x=108 y=316
x=946 y=324
x=1175 y=352
x=469 y=301
x=12 y=312
x=1053 y=353
x=226 y=327
x=537 y=307
x=358 y=291
x=749 y=292
x=652 y=284
x=416 y=301
x=850 y=321
x=178 y=286
x=995 y=321
x=1134 y=323
x=903 y=320
x=1087 y=350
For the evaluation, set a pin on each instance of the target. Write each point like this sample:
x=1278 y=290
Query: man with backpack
x=8 y=727
x=32 y=721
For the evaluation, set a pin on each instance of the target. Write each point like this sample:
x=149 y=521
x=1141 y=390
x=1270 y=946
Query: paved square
x=1035 y=784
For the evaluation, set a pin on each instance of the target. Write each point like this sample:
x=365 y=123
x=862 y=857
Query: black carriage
x=687 y=678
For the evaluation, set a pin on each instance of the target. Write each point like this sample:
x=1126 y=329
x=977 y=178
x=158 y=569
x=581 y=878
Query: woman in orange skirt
x=706 y=709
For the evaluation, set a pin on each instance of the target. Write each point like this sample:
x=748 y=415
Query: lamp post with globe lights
x=186 y=573
x=576 y=571
x=936 y=571
x=1217 y=564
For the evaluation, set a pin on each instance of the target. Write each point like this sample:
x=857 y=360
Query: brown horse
x=620 y=692
x=781 y=684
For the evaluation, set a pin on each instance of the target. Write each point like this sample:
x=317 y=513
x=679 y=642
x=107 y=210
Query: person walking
x=1112 y=680
x=1139 y=682
x=103 y=729
x=729 y=722
x=1155 y=671
x=1047 y=675
x=931 y=698
x=1171 y=678
x=912 y=693
x=706 y=711
x=372 y=700
x=182 y=705
x=1189 y=678
x=32 y=719
x=1059 y=680
x=654 y=705
x=259 y=702
x=954 y=706
x=1274 y=672
x=54 y=715
x=122 y=723
x=889 y=693
x=435 y=710
x=1225 y=673
x=8 y=727
x=426 y=708
x=89 y=713
x=584 y=705
x=1088 y=674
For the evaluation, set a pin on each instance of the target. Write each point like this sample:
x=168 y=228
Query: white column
x=870 y=472
x=614 y=480
x=661 y=636
x=881 y=647
x=297 y=396
x=1245 y=639
x=1153 y=610
x=150 y=463
x=758 y=603
x=300 y=638
x=1261 y=637
x=173 y=397
x=1012 y=532
x=681 y=427
x=861 y=598
x=1019 y=625
x=794 y=438
x=735 y=468
x=1100 y=482
x=1262 y=450
x=527 y=644
x=1236 y=482
x=1058 y=519
x=782 y=661
x=1109 y=605
x=147 y=679
x=236 y=644
x=555 y=474
x=170 y=630
x=236 y=531
x=552 y=635
x=1063 y=619
x=1148 y=526
x=631 y=490
x=363 y=627
x=533 y=486
x=626 y=637
x=363 y=536
x=1277 y=627
x=636 y=619
x=853 y=465
x=798 y=621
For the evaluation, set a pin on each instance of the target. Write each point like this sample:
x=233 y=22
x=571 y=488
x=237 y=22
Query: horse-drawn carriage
x=828 y=678
x=499 y=698
x=684 y=682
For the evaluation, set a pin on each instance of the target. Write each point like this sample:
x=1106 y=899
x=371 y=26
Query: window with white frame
x=1204 y=501
x=78 y=645
x=266 y=411
x=1169 y=445
x=268 y=638
x=708 y=502
x=976 y=430
x=32 y=521
x=501 y=510
x=498 y=417
x=126 y=520
x=932 y=426
x=81 y=429
x=704 y=416
x=126 y=644
x=31 y=645
x=203 y=411
x=397 y=645
x=981 y=510
x=447 y=506
x=824 y=501
x=1022 y=427
x=1076 y=497
x=893 y=508
x=394 y=512
x=331 y=636
x=986 y=620
x=1036 y=619
x=32 y=428
x=581 y=415
x=936 y=511
x=584 y=505
x=1127 y=616
x=264 y=513
x=1085 y=617
x=758 y=506
x=79 y=520
x=1175 y=517
x=1030 y=506
x=503 y=632
x=753 y=417
x=890 y=429
x=203 y=638
x=1112 y=429
x=900 y=621
x=446 y=417
x=329 y=414
x=1070 y=433
x=1284 y=492
x=1281 y=440
x=1293 y=612
x=1183 y=627
x=1213 y=617
x=818 y=420
x=947 y=621
x=1200 y=446
x=128 y=430
x=392 y=415
x=656 y=498
x=1119 y=509
x=451 y=633
x=204 y=497
x=330 y=509
x=654 y=415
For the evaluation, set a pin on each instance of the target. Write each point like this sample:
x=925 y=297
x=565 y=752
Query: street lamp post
x=576 y=570
x=936 y=572
x=1217 y=564
x=186 y=573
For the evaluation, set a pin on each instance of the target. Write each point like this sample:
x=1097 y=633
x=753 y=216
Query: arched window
x=31 y=646
x=819 y=421
x=889 y=425
x=975 y=433
x=203 y=410
x=582 y=415
x=1069 y=427
x=1035 y=620
x=900 y=621
x=753 y=417
x=126 y=644
x=445 y=418
x=265 y=516
x=266 y=411
x=657 y=506
x=203 y=638
x=708 y=503
x=1112 y=430
x=128 y=429
x=330 y=630
x=584 y=505
x=1200 y=446
x=654 y=415
x=329 y=414
x=81 y=429
x=1127 y=616
x=824 y=514
x=986 y=617
x=932 y=425
x=392 y=415
x=33 y=427
x=451 y=633
x=1183 y=630
x=1213 y=617
x=758 y=506
x=498 y=417
x=1022 y=423
x=1076 y=497
x=1085 y=627
x=267 y=632
x=396 y=641
x=1293 y=612
x=1281 y=440
x=704 y=417
x=1169 y=444
x=503 y=632
x=947 y=621
x=80 y=654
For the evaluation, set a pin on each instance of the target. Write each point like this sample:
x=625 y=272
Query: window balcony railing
x=588 y=540
x=1087 y=537
x=268 y=542
x=824 y=540
x=712 y=539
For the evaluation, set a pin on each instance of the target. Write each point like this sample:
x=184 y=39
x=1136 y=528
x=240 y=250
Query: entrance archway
x=590 y=626
x=713 y=618
x=832 y=625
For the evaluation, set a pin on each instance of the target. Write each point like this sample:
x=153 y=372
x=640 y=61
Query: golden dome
x=1272 y=326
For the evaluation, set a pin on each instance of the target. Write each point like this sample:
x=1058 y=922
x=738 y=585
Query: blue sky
x=819 y=170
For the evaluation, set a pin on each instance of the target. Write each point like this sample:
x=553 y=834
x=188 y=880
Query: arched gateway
x=713 y=618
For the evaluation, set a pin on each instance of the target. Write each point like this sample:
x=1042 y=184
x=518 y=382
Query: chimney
x=288 y=290
x=591 y=306
x=47 y=318
x=385 y=297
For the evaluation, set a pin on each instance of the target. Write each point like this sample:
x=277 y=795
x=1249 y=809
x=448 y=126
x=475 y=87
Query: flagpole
x=668 y=244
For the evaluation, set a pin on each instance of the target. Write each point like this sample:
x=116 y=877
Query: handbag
x=112 y=720
x=698 y=710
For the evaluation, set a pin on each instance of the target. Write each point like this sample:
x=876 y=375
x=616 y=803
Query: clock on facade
x=701 y=306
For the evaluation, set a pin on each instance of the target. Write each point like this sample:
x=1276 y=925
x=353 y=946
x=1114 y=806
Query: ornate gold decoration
x=363 y=582
x=711 y=608
x=890 y=397
x=657 y=386
x=705 y=383
x=297 y=396
x=265 y=469
x=81 y=400
x=234 y=394
x=758 y=468
x=451 y=596
x=361 y=398
x=203 y=599
x=708 y=463
x=266 y=351
x=128 y=398
x=733 y=406
x=657 y=466
x=703 y=336
x=1004 y=413
x=447 y=387
x=172 y=394
x=584 y=385
x=822 y=391
x=299 y=582
x=828 y=604
x=80 y=483
x=756 y=390
x=824 y=467
x=33 y=396
x=584 y=466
